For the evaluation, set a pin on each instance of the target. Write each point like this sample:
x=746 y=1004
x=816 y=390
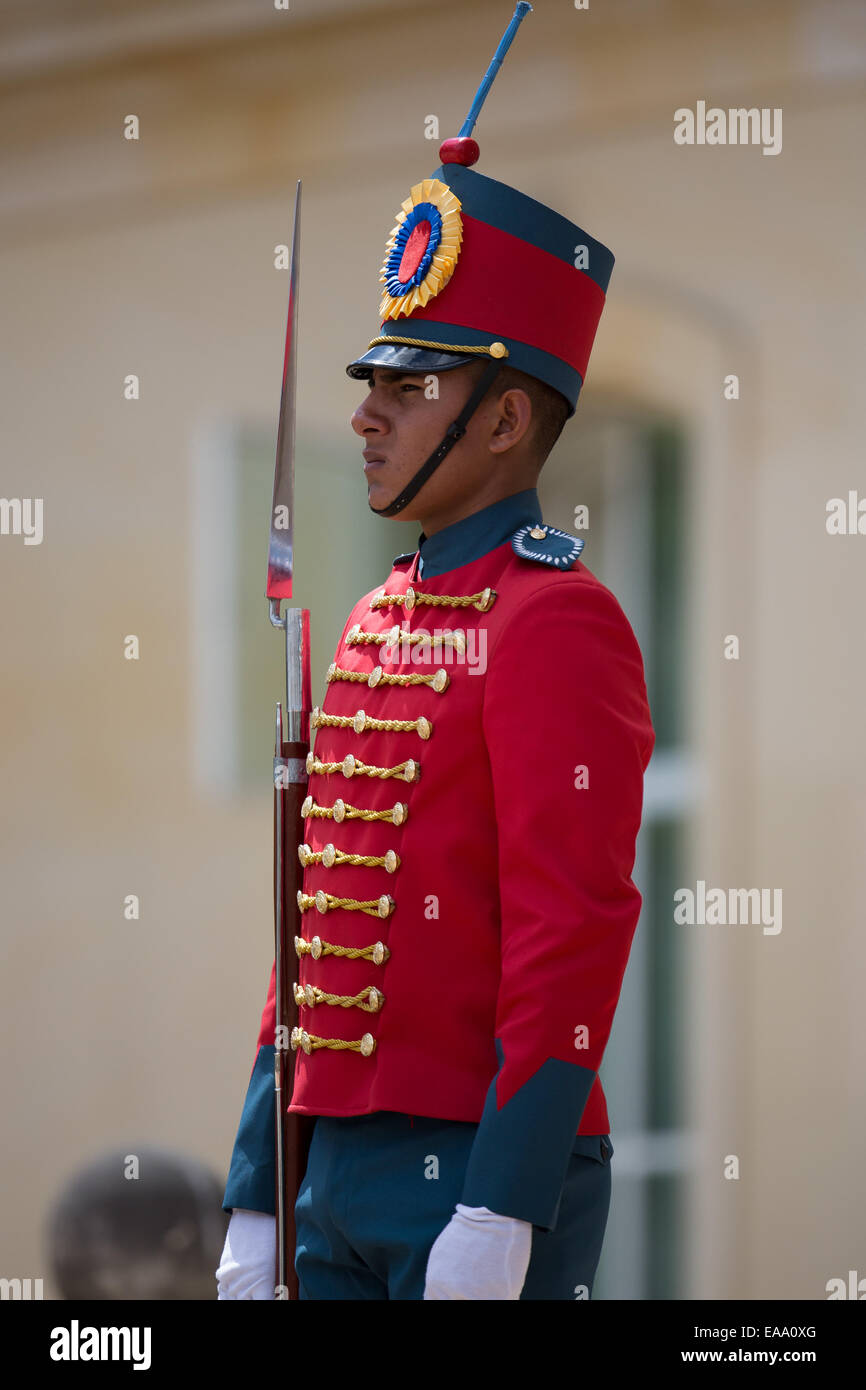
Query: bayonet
x=281 y=547
x=291 y=745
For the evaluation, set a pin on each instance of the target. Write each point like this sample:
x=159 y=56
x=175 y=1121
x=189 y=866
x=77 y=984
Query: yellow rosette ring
x=422 y=250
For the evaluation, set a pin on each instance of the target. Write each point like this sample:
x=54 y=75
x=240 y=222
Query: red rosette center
x=413 y=251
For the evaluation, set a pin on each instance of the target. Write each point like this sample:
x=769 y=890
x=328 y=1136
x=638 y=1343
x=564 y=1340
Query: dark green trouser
x=379 y=1189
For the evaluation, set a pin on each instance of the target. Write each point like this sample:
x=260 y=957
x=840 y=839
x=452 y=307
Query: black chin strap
x=455 y=431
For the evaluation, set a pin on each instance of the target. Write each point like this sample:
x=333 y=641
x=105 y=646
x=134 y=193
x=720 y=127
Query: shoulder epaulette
x=399 y=559
x=546 y=545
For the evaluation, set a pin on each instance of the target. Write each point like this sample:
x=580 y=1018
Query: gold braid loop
x=407 y=771
x=337 y=673
x=370 y=999
x=396 y=637
x=483 y=601
x=316 y=947
x=327 y=902
x=310 y=1042
x=330 y=856
x=439 y=681
x=341 y=811
x=362 y=723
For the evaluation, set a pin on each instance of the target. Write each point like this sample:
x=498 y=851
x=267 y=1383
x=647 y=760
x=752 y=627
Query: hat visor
x=398 y=357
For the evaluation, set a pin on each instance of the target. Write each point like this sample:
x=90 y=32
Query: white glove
x=479 y=1255
x=248 y=1263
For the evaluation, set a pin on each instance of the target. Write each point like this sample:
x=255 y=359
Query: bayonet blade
x=280 y=550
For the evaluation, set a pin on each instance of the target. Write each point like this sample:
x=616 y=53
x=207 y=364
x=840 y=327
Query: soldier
x=474 y=798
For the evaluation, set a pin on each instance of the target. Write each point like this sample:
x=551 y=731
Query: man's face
x=401 y=422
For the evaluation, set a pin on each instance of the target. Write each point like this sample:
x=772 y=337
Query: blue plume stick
x=505 y=43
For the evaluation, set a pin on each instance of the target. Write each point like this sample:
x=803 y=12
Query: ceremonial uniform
x=468 y=848
x=474 y=797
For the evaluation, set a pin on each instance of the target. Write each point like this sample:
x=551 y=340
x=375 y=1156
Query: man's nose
x=368 y=418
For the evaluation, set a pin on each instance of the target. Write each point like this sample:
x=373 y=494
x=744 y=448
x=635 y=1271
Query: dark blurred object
x=157 y=1235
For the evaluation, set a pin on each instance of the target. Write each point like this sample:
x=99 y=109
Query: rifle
x=292 y=1132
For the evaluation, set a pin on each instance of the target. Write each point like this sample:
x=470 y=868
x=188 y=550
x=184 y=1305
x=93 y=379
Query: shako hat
x=476 y=269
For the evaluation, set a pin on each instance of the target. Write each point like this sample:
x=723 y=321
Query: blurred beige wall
x=155 y=257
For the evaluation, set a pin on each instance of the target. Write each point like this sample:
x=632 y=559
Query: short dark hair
x=550 y=409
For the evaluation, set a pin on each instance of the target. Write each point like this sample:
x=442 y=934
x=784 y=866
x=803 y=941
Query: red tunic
x=512 y=909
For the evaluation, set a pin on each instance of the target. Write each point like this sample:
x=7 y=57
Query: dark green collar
x=469 y=539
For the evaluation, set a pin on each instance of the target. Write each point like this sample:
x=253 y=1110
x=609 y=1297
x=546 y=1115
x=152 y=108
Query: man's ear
x=513 y=420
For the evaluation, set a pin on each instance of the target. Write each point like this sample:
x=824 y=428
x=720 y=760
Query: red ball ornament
x=460 y=149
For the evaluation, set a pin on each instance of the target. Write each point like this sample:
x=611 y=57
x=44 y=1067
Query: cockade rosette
x=422 y=249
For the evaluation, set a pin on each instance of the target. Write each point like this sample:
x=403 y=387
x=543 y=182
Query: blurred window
x=629 y=469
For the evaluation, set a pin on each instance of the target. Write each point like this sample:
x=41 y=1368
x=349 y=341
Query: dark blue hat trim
x=534 y=361
x=512 y=211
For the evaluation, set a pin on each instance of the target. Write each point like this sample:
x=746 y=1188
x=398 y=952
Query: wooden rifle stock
x=293 y=1132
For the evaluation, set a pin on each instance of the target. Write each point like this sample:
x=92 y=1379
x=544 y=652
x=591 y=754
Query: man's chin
x=381 y=492
x=380 y=495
